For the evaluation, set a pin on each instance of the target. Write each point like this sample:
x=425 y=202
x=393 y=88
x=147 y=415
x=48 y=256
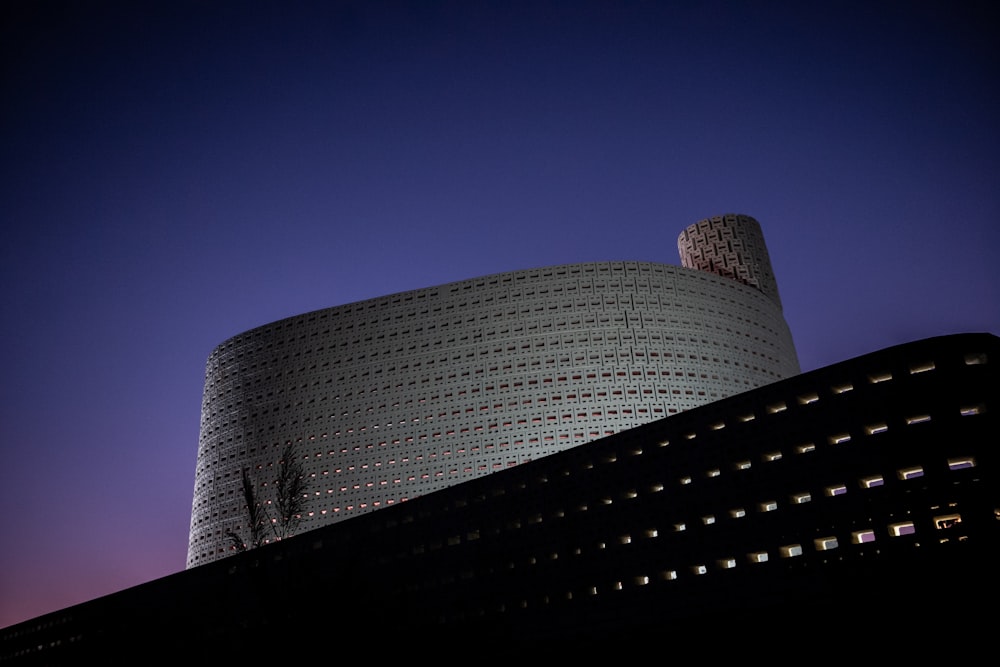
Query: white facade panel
x=395 y=397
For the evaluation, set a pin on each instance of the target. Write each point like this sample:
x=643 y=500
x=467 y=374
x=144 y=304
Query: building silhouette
x=844 y=513
x=392 y=398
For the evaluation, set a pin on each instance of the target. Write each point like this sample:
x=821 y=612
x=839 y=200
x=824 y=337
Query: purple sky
x=177 y=174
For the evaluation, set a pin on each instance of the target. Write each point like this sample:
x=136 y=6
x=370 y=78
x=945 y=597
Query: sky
x=175 y=173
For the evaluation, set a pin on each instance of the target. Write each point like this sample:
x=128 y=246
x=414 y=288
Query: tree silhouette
x=289 y=504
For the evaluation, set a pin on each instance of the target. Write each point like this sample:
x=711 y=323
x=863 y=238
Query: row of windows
x=400 y=301
x=523 y=349
x=773 y=408
x=651 y=577
x=364 y=489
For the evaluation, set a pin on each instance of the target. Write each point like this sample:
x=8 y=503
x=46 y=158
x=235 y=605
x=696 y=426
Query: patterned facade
x=392 y=398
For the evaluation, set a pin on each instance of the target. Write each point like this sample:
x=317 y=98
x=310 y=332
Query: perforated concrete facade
x=395 y=397
x=730 y=245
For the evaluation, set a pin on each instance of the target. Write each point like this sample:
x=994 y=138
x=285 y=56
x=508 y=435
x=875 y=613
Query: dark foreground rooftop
x=847 y=512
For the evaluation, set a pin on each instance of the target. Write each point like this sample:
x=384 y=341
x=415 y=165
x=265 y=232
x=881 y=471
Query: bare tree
x=289 y=504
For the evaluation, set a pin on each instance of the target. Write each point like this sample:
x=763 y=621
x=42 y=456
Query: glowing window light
x=825 y=543
x=871 y=482
x=960 y=463
x=863 y=536
x=900 y=529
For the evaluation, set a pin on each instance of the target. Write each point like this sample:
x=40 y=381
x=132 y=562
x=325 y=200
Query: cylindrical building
x=391 y=398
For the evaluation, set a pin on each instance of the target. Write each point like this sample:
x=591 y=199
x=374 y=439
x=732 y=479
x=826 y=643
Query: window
x=825 y=543
x=871 y=482
x=900 y=529
x=947 y=521
x=960 y=463
x=863 y=536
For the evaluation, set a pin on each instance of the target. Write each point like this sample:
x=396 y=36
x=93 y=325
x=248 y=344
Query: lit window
x=876 y=428
x=808 y=398
x=742 y=465
x=808 y=447
x=843 y=388
x=737 y=513
x=971 y=410
x=947 y=521
x=791 y=551
x=960 y=463
x=768 y=506
x=840 y=438
x=917 y=419
x=757 y=557
x=708 y=520
x=884 y=377
x=923 y=368
x=899 y=529
x=727 y=563
x=772 y=456
x=873 y=481
x=699 y=569
x=825 y=543
x=911 y=473
x=863 y=536
x=800 y=498
x=836 y=490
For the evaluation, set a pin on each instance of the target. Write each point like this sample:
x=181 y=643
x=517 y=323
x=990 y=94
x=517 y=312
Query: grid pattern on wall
x=388 y=399
x=733 y=246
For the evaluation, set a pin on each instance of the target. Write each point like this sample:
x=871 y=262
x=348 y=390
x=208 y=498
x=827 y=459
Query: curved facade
x=392 y=398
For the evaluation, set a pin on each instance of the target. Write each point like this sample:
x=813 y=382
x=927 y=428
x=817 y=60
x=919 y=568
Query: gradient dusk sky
x=175 y=173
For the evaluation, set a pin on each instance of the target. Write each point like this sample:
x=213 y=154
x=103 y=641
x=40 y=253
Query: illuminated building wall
x=392 y=398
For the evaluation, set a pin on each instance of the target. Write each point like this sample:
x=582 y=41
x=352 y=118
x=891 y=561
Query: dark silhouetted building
x=833 y=515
